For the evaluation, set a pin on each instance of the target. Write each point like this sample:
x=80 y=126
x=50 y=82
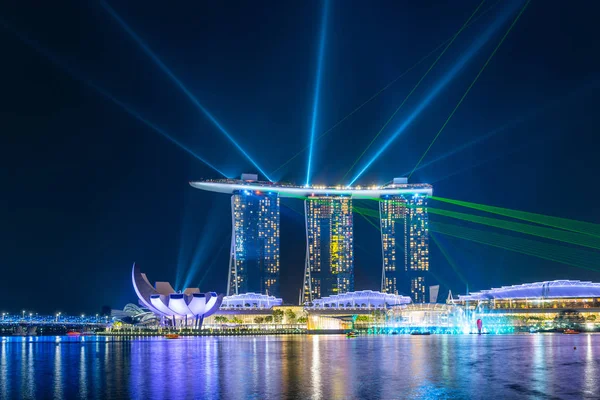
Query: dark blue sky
x=87 y=189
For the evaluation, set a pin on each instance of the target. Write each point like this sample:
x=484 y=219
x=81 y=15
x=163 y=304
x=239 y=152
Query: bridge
x=29 y=323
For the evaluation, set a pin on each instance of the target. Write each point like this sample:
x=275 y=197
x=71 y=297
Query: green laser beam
x=534 y=230
x=561 y=254
x=470 y=86
x=387 y=86
x=449 y=259
x=366 y=211
x=550 y=249
x=369 y=221
x=412 y=91
x=437 y=278
x=504 y=241
x=562 y=236
x=586 y=228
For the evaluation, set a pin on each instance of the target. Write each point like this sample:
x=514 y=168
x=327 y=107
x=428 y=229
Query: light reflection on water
x=303 y=367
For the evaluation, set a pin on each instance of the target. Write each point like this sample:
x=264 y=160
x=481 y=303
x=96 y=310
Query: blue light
x=317 y=88
x=476 y=46
x=180 y=84
x=511 y=124
x=78 y=76
x=157 y=129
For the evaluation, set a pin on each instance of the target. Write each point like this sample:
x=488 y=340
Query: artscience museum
x=187 y=308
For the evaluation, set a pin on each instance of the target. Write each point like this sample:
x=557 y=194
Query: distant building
x=254 y=260
x=329 y=268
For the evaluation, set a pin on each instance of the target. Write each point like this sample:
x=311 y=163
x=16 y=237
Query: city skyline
x=110 y=109
x=329 y=226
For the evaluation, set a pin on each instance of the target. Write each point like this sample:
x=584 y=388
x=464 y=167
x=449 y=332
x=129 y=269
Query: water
x=303 y=367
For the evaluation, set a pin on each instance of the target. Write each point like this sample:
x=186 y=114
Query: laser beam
x=495 y=158
x=586 y=228
x=511 y=124
x=527 y=229
x=457 y=67
x=383 y=89
x=60 y=64
x=215 y=257
x=573 y=257
x=471 y=86
x=317 y=92
x=179 y=83
x=449 y=259
x=413 y=89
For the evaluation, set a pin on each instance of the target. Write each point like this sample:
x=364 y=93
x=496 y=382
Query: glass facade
x=405 y=245
x=329 y=266
x=392 y=214
x=417 y=246
x=254 y=263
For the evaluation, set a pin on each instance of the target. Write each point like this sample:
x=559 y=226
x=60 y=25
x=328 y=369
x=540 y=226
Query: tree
x=259 y=320
x=569 y=319
x=277 y=316
x=236 y=320
x=302 y=320
x=269 y=319
x=591 y=318
x=290 y=316
x=220 y=319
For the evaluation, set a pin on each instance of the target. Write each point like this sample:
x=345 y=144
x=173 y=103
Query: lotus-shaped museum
x=189 y=307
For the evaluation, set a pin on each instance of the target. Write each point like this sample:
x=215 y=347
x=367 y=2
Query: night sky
x=87 y=189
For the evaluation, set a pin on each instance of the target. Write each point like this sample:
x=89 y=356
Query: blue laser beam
x=448 y=77
x=496 y=157
x=156 y=128
x=215 y=257
x=513 y=123
x=317 y=92
x=197 y=246
x=179 y=84
x=79 y=77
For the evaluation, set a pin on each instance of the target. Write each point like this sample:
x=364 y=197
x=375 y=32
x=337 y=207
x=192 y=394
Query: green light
x=547 y=233
x=449 y=259
x=561 y=254
x=586 y=228
x=412 y=91
x=369 y=221
x=383 y=89
x=470 y=86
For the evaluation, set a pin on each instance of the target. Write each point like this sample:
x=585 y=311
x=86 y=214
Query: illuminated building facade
x=417 y=245
x=329 y=268
x=392 y=214
x=404 y=243
x=254 y=261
